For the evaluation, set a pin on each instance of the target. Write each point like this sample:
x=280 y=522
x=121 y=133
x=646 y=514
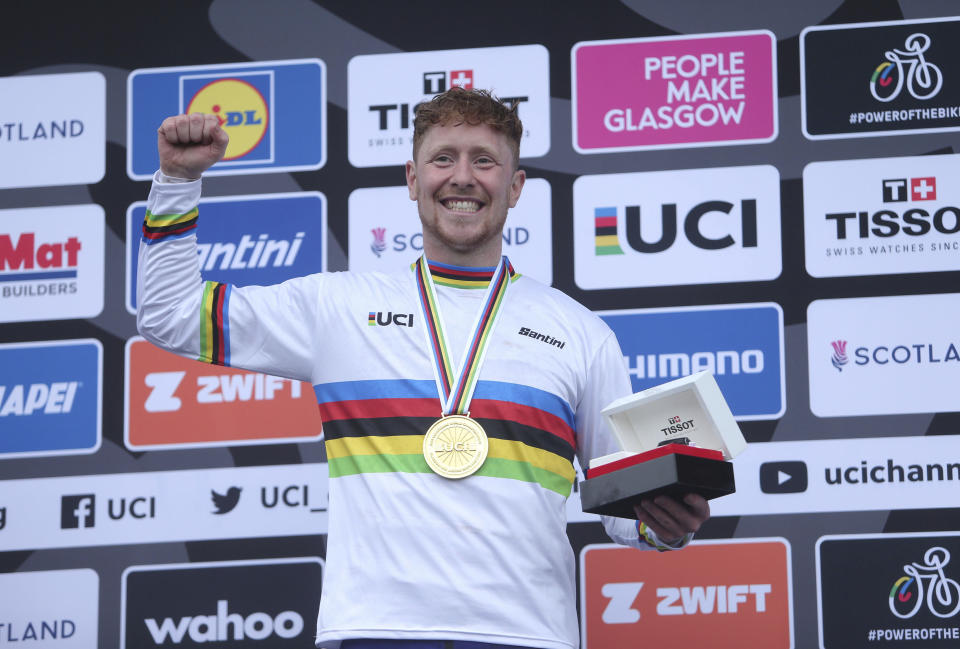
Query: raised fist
x=190 y=144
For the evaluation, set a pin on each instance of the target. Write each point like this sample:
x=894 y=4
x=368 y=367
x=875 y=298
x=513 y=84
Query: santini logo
x=225 y=626
x=263 y=252
x=225 y=502
x=550 y=340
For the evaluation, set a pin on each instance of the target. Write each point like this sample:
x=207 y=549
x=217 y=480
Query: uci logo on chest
x=387 y=318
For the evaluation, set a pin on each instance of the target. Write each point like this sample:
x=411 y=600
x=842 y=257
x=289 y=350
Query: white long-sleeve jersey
x=411 y=554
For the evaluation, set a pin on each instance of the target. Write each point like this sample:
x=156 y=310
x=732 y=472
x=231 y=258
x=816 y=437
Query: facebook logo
x=77 y=511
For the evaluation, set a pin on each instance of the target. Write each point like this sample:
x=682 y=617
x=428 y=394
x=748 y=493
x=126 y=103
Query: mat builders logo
x=50 y=397
x=704 y=225
x=51 y=263
x=882 y=216
x=889 y=590
x=675 y=91
x=871 y=79
x=274 y=112
x=387 y=245
x=383 y=91
x=213 y=604
x=53 y=130
x=712 y=595
x=867 y=359
x=742 y=345
x=240 y=243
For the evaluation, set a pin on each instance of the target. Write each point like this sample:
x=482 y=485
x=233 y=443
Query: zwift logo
x=922 y=79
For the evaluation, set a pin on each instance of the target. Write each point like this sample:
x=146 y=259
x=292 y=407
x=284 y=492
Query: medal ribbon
x=456 y=390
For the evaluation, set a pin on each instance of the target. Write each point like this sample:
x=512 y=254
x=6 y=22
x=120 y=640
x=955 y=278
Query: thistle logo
x=605 y=227
x=240 y=107
x=436 y=82
x=379 y=245
x=839 y=358
x=922 y=78
x=375 y=318
x=920 y=189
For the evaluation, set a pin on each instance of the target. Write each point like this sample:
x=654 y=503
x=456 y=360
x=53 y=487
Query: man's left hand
x=672 y=519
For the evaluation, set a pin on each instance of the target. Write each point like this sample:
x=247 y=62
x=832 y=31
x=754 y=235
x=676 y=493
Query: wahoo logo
x=47 y=260
x=174 y=402
x=382 y=319
x=215 y=607
x=605 y=226
x=263 y=252
x=379 y=245
x=239 y=245
x=50 y=397
x=839 y=358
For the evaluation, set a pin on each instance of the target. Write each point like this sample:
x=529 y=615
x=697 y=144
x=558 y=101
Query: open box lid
x=688 y=410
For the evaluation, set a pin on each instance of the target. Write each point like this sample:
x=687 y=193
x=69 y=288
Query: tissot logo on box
x=383 y=91
x=882 y=216
x=273 y=111
x=272 y=603
x=886 y=590
x=866 y=358
x=675 y=91
x=742 y=345
x=697 y=226
x=872 y=79
x=239 y=246
x=50 y=397
x=714 y=597
x=53 y=130
x=391 y=243
x=50 y=609
x=51 y=263
x=173 y=402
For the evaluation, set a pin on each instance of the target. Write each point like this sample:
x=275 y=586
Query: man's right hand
x=190 y=144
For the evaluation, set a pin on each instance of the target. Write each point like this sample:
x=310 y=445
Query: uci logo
x=241 y=109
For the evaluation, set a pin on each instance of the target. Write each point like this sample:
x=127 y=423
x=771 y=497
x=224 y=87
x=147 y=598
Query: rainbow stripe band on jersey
x=214 y=329
x=159 y=227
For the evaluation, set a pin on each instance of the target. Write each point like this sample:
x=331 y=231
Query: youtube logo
x=783 y=477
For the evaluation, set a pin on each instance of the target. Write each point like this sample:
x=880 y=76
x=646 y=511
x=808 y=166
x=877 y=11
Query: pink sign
x=675 y=91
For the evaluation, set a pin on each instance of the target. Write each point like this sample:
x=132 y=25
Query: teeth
x=463 y=206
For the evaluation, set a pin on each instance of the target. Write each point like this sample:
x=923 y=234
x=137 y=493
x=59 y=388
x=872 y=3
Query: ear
x=516 y=185
x=411 y=171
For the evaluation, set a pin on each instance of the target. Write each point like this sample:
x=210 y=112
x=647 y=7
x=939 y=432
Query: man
x=448 y=472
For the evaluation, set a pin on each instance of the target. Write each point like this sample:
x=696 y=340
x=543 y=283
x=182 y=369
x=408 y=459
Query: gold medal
x=455 y=446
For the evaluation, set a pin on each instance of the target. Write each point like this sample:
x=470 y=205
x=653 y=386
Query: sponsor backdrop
x=766 y=191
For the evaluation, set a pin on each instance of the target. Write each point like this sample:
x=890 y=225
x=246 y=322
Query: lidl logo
x=713 y=594
x=238 y=245
x=273 y=111
x=50 y=397
x=173 y=402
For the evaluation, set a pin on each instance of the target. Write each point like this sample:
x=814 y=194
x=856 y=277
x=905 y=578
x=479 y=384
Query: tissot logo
x=881 y=216
x=677 y=425
x=215 y=607
x=384 y=91
x=78 y=511
x=225 y=502
x=869 y=79
x=905 y=585
x=707 y=226
x=783 y=477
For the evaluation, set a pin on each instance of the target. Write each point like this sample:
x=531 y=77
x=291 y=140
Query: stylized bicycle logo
x=942 y=593
x=923 y=79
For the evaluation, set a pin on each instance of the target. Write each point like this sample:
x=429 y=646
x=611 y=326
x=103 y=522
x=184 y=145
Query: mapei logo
x=707 y=226
x=741 y=345
x=236 y=245
x=907 y=68
x=50 y=397
x=172 y=402
x=723 y=592
x=215 y=607
x=273 y=111
x=51 y=263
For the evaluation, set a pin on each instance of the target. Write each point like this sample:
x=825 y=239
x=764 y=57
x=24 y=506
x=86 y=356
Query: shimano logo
x=550 y=340
x=675 y=365
x=224 y=626
x=48 y=398
x=250 y=253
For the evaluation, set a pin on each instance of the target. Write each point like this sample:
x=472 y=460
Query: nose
x=462 y=174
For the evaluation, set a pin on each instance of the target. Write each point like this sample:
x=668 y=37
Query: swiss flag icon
x=923 y=189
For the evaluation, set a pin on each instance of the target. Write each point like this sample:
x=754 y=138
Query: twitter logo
x=225 y=502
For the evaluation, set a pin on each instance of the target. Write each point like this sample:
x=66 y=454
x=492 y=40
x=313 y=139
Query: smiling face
x=464 y=180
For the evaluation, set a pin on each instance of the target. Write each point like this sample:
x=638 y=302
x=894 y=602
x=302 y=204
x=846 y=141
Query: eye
x=442 y=159
x=485 y=161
